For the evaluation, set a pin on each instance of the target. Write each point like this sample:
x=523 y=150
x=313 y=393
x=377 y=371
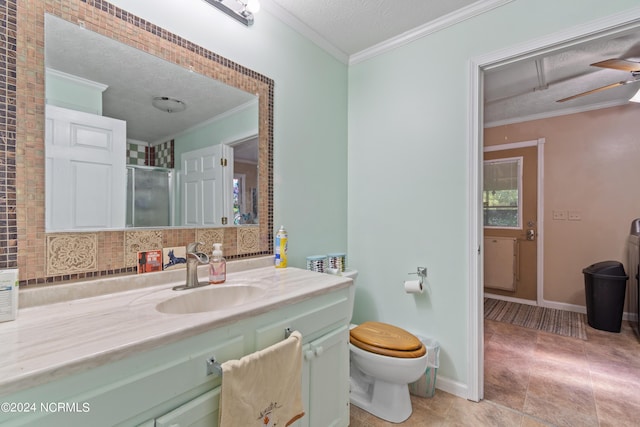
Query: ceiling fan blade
x=599 y=89
x=618 y=64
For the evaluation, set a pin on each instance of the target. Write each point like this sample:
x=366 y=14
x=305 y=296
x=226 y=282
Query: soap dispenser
x=217 y=266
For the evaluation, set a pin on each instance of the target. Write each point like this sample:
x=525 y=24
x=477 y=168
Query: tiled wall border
x=23 y=240
x=164 y=155
x=136 y=154
x=8 y=119
x=160 y=155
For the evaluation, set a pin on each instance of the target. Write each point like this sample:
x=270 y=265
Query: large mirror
x=133 y=140
x=92 y=251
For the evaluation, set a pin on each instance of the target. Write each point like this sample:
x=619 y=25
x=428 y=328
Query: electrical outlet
x=575 y=216
x=560 y=215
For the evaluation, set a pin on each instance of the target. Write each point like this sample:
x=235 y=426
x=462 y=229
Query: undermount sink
x=214 y=297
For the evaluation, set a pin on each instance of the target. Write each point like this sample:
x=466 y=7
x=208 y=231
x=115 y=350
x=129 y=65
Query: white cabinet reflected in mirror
x=146 y=165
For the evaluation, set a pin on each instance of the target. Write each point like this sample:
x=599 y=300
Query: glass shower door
x=149 y=196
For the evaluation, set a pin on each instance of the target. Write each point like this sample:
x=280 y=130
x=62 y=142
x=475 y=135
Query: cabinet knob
x=319 y=351
x=308 y=354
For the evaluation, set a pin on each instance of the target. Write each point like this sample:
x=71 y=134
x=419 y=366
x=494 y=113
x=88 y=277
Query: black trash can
x=605 y=287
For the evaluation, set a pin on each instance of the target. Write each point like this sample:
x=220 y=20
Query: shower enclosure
x=150 y=199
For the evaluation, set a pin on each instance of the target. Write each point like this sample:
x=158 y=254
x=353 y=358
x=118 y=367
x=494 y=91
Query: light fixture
x=245 y=12
x=636 y=97
x=168 y=105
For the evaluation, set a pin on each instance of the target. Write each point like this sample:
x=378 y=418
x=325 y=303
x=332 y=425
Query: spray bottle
x=281 y=248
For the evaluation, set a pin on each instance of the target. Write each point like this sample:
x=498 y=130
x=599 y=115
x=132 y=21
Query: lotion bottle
x=217 y=266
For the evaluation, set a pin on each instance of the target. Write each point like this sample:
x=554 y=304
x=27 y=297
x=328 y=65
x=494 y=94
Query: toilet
x=384 y=359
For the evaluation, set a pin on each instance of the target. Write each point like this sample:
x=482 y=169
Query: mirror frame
x=59 y=257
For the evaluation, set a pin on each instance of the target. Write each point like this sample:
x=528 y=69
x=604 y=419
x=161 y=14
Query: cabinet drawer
x=173 y=380
x=314 y=319
x=140 y=387
x=203 y=411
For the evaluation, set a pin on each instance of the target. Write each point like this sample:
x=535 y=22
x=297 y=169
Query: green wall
x=408 y=168
x=310 y=126
x=229 y=128
x=67 y=92
x=406 y=175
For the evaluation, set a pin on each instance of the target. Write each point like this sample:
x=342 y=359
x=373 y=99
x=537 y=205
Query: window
x=502 y=194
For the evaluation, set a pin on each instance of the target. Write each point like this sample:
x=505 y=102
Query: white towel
x=264 y=388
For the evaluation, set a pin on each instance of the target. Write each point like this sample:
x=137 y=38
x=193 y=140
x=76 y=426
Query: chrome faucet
x=194 y=258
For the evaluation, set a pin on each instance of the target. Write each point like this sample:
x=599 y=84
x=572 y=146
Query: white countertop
x=48 y=342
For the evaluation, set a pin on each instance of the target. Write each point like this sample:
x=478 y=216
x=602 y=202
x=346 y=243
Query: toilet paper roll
x=413 y=287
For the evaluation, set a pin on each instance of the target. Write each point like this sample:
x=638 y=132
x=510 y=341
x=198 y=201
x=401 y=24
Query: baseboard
x=510 y=299
x=564 y=306
x=452 y=387
x=557 y=305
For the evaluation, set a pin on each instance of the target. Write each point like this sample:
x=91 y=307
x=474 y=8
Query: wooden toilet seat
x=386 y=340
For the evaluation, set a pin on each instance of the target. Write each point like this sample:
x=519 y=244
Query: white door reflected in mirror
x=93 y=74
x=85 y=182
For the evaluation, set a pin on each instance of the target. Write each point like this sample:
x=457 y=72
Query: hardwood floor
x=540 y=379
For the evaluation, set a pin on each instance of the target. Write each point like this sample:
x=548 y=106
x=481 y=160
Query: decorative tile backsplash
x=71 y=253
x=57 y=257
x=210 y=236
x=136 y=241
x=248 y=239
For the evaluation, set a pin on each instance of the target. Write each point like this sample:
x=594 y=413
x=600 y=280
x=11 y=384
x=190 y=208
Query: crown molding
x=76 y=80
x=302 y=28
x=214 y=119
x=430 y=27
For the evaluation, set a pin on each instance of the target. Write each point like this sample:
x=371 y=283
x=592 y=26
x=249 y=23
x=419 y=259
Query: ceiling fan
x=616 y=64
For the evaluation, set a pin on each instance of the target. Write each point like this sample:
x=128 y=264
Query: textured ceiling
x=532 y=87
x=355 y=25
x=83 y=53
x=522 y=90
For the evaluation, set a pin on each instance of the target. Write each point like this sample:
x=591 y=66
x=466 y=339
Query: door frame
x=613 y=24
x=539 y=211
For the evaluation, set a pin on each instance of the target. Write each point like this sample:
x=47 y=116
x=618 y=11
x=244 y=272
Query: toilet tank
x=351 y=274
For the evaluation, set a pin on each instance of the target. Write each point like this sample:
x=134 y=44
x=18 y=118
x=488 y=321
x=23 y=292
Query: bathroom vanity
x=116 y=359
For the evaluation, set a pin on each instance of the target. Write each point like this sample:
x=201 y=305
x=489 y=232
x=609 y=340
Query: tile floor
x=540 y=379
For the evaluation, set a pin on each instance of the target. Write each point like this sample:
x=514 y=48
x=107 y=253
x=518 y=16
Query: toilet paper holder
x=422 y=273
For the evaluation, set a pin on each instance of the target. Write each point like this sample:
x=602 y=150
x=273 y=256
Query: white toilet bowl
x=379 y=383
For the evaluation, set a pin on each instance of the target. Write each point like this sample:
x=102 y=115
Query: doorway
x=512 y=197
x=601 y=28
x=245 y=180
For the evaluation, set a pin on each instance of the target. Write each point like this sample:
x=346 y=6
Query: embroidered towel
x=264 y=388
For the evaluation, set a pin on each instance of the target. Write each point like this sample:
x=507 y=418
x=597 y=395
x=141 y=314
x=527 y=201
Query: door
x=85 y=171
x=325 y=380
x=510 y=204
x=207 y=179
x=149 y=196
